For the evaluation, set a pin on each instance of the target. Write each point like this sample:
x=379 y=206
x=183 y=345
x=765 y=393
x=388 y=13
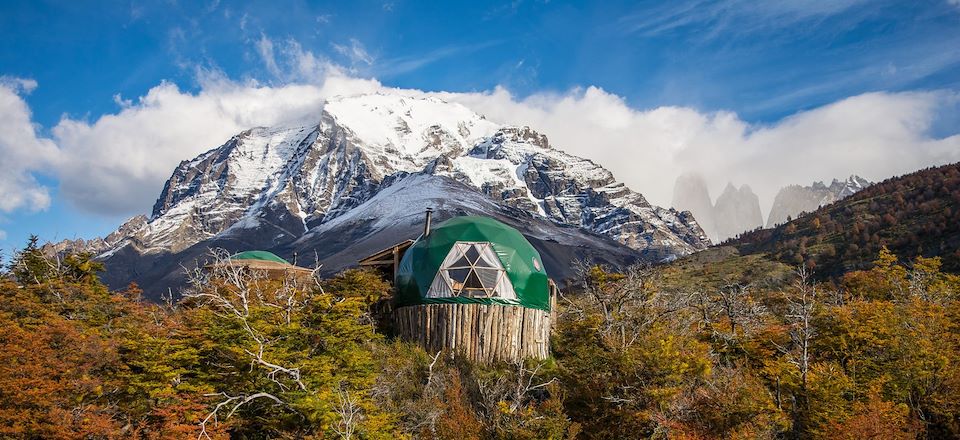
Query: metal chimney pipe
x=426 y=226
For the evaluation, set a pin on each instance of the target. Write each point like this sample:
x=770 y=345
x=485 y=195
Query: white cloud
x=118 y=162
x=287 y=62
x=19 y=85
x=3 y=235
x=265 y=49
x=355 y=52
x=737 y=16
x=875 y=135
x=21 y=150
x=394 y=66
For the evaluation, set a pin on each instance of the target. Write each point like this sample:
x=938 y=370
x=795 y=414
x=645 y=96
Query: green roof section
x=519 y=258
x=258 y=255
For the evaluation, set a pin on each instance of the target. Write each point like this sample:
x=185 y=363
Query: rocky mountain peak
x=794 y=200
x=128 y=230
x=268 y=186
x=736 y=209
x=416 y=129
x=848 y=187
x=690 y=193
x=523 y=134
x=132 y=226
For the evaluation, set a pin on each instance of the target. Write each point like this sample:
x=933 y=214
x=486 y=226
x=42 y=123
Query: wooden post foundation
x=484 y=333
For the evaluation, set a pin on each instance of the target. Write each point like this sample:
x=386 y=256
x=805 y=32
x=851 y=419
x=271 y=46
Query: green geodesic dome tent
x=472 y=260
x=258 y=255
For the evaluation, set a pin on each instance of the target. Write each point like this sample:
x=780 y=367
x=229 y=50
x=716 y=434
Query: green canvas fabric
x=258 y=255
x=423 y=259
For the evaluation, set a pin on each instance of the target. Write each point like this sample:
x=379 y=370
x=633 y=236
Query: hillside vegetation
x=913 y=215
x=714 y=346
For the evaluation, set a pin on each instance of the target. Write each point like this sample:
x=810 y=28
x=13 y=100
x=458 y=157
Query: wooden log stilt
x=483 y=333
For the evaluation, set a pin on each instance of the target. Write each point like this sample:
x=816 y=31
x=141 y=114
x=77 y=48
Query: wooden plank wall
x=483 y=333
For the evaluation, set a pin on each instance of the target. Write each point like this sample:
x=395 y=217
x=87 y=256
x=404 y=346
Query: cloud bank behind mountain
x=116 y=163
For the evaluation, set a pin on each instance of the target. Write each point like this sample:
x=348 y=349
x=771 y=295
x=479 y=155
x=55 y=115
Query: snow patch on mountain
x=291 y=180
x=794 y=200
x=412 y=127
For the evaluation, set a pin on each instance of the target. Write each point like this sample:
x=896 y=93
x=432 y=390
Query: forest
x=716 y=345
x=917 y=214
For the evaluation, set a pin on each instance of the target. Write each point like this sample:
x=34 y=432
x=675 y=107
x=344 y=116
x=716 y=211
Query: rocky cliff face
x=268 y=187
x=98 y=245
x=736 y=211
x=794 y=200
x=690 y=194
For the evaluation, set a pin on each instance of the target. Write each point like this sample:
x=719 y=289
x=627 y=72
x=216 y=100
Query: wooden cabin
x=477 y=287
x=388 y=260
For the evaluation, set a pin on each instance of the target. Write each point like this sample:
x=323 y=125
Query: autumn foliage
x=734 y=347
x=913 y=215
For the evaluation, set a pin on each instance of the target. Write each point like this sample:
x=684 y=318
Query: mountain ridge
x=278 y=183
x=793 y=200
x=735 y=210
x=916 y=214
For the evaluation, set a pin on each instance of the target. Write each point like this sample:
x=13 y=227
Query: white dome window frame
x=472 y=269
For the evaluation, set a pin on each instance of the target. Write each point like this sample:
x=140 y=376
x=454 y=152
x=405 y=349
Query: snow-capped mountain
x=305 y=174
x=794 y=200
x=398 y=211
x=268 y=186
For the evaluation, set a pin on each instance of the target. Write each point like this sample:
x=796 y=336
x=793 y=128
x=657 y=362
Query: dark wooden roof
x=386 y=257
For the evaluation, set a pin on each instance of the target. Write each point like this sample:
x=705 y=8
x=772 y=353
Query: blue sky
x=764 y=62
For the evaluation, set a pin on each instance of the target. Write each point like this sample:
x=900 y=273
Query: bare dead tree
x=525 y=383
x=55 y=269
x=424 y=406
x=273 y=369
x=925 y=283
x=349 y=411
x=237 y=402
x=287 y=298
x=738 y=307
x=629 y=303
x=729 y=313
x=516 y=389
x=801 y=309
x=315 y=273
x=230 y=290
x=430 y=368
x=801 y=306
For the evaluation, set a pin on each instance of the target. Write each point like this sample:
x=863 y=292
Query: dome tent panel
x=262 y=263
x=258 y=255
x=471 y=269
x=522 y=270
